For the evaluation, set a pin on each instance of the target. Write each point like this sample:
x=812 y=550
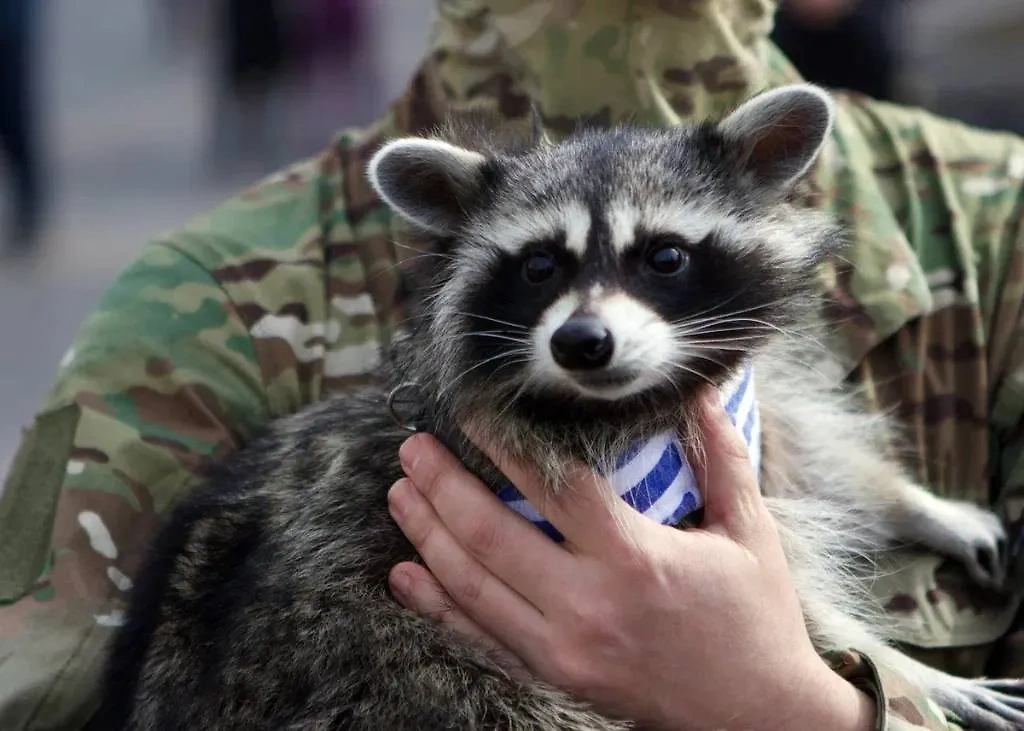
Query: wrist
x=827 y=700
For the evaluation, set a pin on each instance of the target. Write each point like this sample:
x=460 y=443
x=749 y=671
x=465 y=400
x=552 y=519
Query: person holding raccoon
x=285 y=295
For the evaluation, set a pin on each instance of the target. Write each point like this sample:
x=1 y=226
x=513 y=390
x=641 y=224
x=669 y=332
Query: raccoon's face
x=618 y=266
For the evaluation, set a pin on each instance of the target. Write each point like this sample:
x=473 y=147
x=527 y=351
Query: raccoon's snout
x=582 y=343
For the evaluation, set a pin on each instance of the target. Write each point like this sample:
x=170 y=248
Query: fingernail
x=401 y=584
x=398 y=496
x=408 y=453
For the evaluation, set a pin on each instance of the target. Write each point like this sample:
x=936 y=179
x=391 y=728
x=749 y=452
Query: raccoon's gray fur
x=265 y=604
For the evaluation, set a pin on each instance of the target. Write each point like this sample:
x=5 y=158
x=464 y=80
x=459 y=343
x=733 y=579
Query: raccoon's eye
x=539 y=267
x=666 y=259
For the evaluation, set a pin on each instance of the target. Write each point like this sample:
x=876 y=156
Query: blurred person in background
x=336 y=66
x=20 y=130
x=251 y=55
x=334 y=70
x=285 y=294
x=177 y=25
x=841 y=44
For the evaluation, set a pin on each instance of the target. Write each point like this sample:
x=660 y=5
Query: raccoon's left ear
x=430 y=183
x=777 y=135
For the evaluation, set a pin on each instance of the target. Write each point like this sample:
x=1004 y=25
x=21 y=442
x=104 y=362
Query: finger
x=493 y=605
x=417 y=590
x=507 y=544
x=732 y=498
x=585 y=510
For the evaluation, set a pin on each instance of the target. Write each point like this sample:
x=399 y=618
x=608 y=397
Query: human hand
x=698 y=629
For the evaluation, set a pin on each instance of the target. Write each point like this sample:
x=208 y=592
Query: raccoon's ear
x=778 y=134
x=428 y=182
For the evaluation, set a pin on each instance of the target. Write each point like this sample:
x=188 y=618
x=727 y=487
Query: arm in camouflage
x=930 y=325
x=282 y=294
x=211 y=332
x=160 y=378
x=901 y=706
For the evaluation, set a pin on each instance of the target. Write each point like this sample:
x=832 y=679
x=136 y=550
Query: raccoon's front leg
x=960 y=530
x=832 y=451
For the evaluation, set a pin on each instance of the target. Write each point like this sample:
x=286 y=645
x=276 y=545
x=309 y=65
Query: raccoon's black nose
x=582 y=343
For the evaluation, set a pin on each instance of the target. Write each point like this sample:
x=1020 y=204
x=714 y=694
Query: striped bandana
x=654 y=477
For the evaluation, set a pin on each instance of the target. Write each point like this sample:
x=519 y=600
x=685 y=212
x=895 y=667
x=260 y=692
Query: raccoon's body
x=575 y=299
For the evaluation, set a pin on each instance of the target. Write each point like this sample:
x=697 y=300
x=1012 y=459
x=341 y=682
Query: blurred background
x=114 y=113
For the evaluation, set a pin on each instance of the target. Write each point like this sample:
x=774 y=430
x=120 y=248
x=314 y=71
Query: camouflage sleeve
x=959 y=193
x=1006 y=345
x=161 y=378
x=901 y=705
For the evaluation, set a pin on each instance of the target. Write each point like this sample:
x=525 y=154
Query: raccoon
x=572 y=300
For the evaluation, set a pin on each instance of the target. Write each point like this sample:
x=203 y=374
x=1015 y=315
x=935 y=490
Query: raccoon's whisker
x=526 y=382
x=515 y=325
x=751 y=325
x=687 y=369
x=701 y=317
x=667 y=376
x=422 y=252
x=724 y=303
x=721 y=322
x=511 y=354
x=724 y=346
x=518 y=355
x=737 y=320
x=739 y=340
x=728 y=339
x=498 y=336
x=747 y=323
x=697 y=354
x=729 y=328
x=789 y=332
x=697 y=322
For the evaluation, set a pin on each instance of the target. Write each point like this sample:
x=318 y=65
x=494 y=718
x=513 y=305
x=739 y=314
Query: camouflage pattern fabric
x=283 y=294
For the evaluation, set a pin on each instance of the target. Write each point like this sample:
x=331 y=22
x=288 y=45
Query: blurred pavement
x=126 y=125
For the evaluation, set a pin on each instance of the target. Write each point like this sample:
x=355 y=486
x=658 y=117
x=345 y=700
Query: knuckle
x=440 y=477
x=408 y=511
x=433 y=479
x=483 y=538
x=467 y=589
x=732 y=444
x=418 y=529
x=640 y=565
x=597 y=623
x=572 y=670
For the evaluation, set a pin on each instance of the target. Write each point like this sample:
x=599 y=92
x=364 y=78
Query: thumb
x=732 y=498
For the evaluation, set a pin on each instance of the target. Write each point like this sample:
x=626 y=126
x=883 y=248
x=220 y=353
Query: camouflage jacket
x=284 y=294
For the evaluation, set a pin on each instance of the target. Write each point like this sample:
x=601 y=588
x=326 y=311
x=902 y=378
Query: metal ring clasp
x=396 y=395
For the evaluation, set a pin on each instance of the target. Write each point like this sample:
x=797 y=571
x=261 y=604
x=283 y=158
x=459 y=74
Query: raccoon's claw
x=987 y=566
x=981 y=704
x=986 y=562
x=972 y=535
x=1009 y=687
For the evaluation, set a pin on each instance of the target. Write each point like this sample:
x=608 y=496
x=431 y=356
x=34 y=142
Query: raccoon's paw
x=982 y=705
x=972 y=535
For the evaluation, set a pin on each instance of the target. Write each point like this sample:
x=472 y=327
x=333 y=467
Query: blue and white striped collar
x=654 y=477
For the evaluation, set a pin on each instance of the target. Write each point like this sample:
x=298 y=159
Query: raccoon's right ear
x=777 y=135
x=430 y=183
